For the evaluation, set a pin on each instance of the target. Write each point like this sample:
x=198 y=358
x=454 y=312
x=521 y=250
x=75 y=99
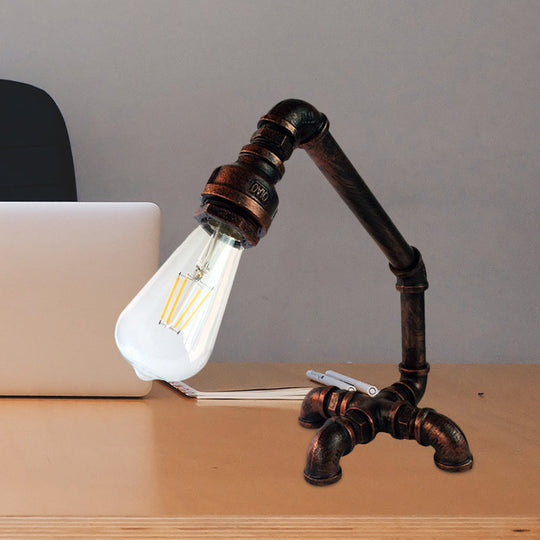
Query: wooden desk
x=167 y=466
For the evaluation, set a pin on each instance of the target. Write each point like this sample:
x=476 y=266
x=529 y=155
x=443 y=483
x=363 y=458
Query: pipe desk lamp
x=169 y=329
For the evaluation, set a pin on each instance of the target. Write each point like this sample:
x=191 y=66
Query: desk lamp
x=169 y=329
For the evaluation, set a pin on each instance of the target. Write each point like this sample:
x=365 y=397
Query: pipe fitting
x=350 y=418
x=415 y=381
x=313 y=412
x=299 y=118
x=242 y=194
x=412 y=279
x=335 y=439
x=431 y=428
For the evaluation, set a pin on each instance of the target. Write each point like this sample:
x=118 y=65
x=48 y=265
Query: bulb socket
x=242 y=196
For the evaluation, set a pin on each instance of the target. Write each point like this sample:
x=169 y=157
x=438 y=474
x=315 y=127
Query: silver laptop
x=68 y=270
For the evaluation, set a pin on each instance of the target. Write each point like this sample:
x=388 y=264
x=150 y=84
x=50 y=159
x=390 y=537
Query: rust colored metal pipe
x=339 y=171
x=350 y=418
x=242 y=195
x=326 y=449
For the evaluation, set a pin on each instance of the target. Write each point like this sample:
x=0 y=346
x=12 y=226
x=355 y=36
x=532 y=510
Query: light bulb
x=169 y=329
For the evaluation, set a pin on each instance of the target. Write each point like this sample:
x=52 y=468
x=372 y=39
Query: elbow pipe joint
x=414 y=278
x=413 y=382
x=314 y=410
x=430 y=428
x=297 y=118
x=335 y=439
x=452 y=453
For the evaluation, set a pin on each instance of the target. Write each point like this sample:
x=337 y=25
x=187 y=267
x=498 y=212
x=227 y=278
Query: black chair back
x=36 y=163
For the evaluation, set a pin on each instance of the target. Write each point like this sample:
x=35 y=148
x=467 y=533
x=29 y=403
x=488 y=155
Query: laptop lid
x=68 y=270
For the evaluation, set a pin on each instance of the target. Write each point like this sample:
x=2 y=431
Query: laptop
x=68 y=270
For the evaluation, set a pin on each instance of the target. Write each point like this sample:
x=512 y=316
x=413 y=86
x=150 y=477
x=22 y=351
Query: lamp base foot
x=321 y=481
x=351 y=418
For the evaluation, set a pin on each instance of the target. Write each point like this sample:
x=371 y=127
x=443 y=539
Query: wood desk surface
x=166 y=465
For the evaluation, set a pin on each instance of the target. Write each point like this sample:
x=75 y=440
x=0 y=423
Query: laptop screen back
x=68 y=270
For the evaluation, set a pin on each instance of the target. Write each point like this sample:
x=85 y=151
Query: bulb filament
x=186 y=301
x=189 y=292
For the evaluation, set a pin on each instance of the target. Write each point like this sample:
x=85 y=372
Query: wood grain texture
x=272 y=527
x=168 y=463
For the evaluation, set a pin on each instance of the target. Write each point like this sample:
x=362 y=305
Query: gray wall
x=435 y=102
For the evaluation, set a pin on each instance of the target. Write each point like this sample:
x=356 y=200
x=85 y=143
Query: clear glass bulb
x=169 y=329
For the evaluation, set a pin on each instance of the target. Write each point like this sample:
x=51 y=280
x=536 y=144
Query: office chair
x=36 y=163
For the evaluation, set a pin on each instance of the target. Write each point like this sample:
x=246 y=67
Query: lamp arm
x=243 y=195
x=405 y=261
x=339 y=171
